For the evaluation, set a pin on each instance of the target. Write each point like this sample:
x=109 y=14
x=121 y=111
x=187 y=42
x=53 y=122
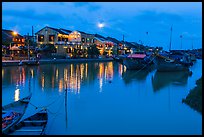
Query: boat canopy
x=137 y=56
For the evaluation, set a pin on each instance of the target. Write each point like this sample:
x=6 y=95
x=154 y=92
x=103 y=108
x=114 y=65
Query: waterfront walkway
x=53 y=61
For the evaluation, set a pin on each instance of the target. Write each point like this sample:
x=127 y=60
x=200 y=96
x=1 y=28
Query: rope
x=36 y=107
x=55 y=114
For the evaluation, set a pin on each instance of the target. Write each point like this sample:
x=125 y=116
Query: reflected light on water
x=53 y=82
x=109 y=71
x=100 y=85
x=32 y=73
x=57 y=72
x=65 y=74
x=60 y=85
x=17 y=94
x=43 y=82
x=82 y=70
x=2 y=73
x=86 y=70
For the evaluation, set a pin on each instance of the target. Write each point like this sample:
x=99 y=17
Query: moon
x=100 y=25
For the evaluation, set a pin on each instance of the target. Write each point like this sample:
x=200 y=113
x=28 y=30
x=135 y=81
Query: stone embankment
x=194 y=98
x=53 y=61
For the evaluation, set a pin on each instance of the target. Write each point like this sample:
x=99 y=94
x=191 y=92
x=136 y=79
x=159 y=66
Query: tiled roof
x=58 y=30
x=65 y=31
x=8 y=33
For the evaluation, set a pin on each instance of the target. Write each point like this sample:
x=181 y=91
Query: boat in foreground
x=13 y=112
x=33 y=125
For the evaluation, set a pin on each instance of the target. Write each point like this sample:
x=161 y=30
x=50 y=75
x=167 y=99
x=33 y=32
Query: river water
x=104 y=98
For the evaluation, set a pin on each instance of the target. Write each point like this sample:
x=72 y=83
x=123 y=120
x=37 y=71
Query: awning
x=136 y=56
x=14 y=48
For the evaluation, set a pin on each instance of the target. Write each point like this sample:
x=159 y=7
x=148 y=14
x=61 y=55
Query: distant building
x=12 y=38
x=31 y=40
x=103 y=44
x=65 y=41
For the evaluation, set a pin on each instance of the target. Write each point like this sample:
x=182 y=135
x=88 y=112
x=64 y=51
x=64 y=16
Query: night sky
x=131 y=19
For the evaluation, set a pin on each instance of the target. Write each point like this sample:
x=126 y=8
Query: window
x=51 y=37
x=40 y=38
x=83 y=40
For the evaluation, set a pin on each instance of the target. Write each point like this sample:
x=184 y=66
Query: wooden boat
x=169 y=62
x=33 y=125
x=137 y=61
x=13 y=112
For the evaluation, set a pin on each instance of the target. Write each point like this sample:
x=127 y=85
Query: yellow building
x=65 y=41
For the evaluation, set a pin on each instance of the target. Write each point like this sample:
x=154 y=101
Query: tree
x=93 y=51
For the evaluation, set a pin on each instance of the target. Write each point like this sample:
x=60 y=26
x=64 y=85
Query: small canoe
x=13 y=112
x=33 y=125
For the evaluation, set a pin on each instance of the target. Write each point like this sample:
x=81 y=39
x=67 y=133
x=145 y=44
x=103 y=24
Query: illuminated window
x=83 y=40
x=41 y=38
x=51 y=37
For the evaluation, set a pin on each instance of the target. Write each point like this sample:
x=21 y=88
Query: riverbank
x=54 y=61
x=194 y=98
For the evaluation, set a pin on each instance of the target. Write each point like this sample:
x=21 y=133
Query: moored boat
x=33 y=125
x=138 y=61
x=172 y=62
x=13 y=112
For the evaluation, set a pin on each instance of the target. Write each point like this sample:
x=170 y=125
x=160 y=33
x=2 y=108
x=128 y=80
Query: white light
x=100 y=25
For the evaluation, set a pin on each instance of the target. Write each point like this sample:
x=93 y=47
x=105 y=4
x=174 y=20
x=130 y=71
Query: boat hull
x=164 y=65
x=18 y=107
x=33 y=125
x=135 y=63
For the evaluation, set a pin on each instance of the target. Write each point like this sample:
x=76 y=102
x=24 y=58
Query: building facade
x=65 y=41
x=12 y=38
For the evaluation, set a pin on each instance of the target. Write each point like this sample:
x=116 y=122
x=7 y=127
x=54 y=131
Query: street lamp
x=14 y=34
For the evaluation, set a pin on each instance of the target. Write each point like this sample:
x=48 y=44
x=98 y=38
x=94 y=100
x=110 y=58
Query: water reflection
x=138 y=75
x=74 y=75
x=163 y=79
x=17 y=94
x=14 y=76
x=131 y=75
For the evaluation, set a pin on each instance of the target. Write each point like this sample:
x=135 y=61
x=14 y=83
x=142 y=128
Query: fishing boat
x=33 y=125
x=138 y=60
x=13 y=112
x=171 y=62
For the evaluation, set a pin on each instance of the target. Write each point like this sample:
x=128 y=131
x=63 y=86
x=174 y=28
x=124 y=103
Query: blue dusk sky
x=131 y=19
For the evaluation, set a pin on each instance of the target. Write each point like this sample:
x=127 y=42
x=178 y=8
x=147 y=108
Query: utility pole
x=28 y=48
x=32 y=36
x=170 y=39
